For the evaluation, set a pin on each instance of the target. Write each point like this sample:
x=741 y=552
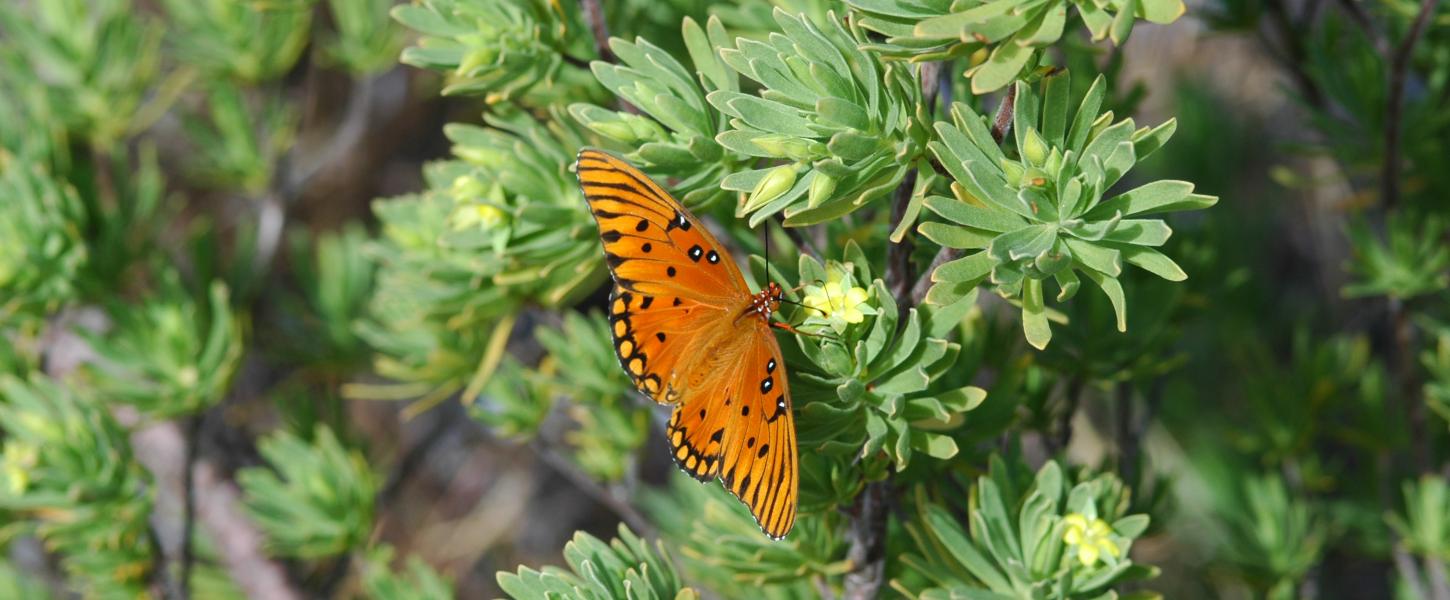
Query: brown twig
x=867 y=530
x=1401 y=331
x=162 y=449
x=1361 y=18
x=1001 y=124
x=867 y=538
x=802 y=243
x=899 y=276
x=1394 y=110
x=594 y=13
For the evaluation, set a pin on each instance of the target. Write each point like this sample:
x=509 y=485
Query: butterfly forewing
x=683 y=329
x=652 y=243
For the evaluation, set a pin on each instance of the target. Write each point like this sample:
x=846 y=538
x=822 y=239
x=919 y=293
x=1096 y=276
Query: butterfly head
x=767 y=301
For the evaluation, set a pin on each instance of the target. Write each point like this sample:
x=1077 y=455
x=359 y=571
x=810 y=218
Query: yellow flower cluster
x=1091 y=538
x=836 y=300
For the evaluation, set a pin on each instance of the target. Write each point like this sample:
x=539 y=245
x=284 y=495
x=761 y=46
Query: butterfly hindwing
x=738 y=426
x=653 y=337
x=759 y=462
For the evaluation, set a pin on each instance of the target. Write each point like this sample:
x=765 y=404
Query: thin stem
x=866 y=533
x=1293 y=55
x=1394 y=111
x=188 y=490
x=1401 y=361
x=161 y=583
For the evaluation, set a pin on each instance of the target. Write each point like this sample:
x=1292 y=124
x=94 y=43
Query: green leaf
x=1162 y=11
x=1001 y=68
x=974 y=216
x=1034 y=317
x=972 y=268
x=1156 y=197
x=1114 y=291
x=963 y=550
x=935 y=445
x=1123 y=22
x=952 y=236
x=1098 y=258
x=1148 y=141
x=1153 y=262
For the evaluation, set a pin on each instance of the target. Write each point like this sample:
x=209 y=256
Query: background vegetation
x=299 y=298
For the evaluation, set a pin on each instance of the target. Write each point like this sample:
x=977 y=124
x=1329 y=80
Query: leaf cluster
x=1000 y=38
x=1044 y=213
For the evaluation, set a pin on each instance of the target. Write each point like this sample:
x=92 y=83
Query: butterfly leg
x=787 y=327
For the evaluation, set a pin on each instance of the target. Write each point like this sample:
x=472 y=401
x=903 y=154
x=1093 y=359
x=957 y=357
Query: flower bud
x=1034 y=150
x=466 y=188
x=614 y=130
x=822 y=186
x=644 y=130
x=477 y=57
x=1013 y=171
x=785 y=146
x=776 y=182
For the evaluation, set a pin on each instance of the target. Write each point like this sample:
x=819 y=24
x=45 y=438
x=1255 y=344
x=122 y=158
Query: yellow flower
x=484 y=216
x=835 y=300
x=471 y=208
x=1091 y=538
x=16 y=461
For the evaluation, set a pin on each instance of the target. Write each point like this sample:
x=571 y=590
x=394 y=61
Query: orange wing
x=652 y=243
x=677 y=314
x=741 y=428
x=673 y=280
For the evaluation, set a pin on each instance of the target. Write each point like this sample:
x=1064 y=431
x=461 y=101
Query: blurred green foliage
x=66 y=469
x=319 y=500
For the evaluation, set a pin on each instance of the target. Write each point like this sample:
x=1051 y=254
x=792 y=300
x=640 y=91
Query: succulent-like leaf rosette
x=1043 y=213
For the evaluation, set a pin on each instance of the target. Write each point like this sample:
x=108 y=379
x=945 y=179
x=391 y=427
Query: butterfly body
x=689 y=332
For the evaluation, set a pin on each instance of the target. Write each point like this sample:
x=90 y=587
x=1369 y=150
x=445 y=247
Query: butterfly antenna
x=794 y=303
x=767 y=249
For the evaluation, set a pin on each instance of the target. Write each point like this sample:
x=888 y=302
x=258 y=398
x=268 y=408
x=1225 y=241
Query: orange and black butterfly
x=690 y=333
